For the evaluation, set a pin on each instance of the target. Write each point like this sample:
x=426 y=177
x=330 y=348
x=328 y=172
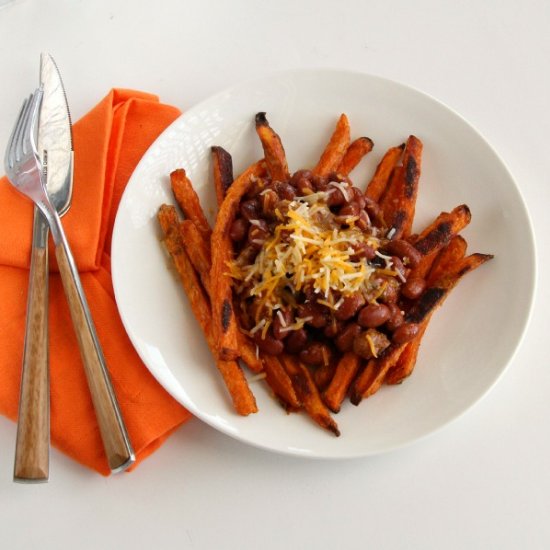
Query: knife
x=56 y=153
x=56 y=141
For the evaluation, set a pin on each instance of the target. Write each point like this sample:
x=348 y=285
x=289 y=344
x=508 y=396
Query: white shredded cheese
x=258 y=327
x=343 y=189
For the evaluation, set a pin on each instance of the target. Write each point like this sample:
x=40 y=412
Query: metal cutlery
x=24 y=170
x=56 y=153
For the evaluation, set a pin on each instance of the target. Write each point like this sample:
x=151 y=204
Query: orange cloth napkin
x=109 y=142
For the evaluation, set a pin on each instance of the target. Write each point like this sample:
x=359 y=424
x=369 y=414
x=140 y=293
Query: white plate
x=470 y=340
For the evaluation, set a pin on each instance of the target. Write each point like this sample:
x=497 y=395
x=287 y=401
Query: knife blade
x=56 y=152
x=55 y=138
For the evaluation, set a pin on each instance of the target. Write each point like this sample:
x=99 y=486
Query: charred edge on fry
x=225 y=162
x=227 y=311
x=440 y=235
x=425 y=305
x=369 y=140
x=300 y=385
x=261 y=119
x=467 y=213
x=325 y=422
x=399 y=221
x=411 y=177
x=472 y=264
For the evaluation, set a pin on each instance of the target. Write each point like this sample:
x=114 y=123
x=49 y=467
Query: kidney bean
x=344 y=341
x=337 y=177
x=349 y=307
x=285 y=190
x=319 y=314
x=405 y=333
x=296 y=340
x=413 y=288
x=258 y=233
x=238 y=229
x=335 y=196
x=396 y=317
x=304 y=187
x=315 y=355
x=362 y=250
x=404 y=250
x=309 y=292
x=278 y=325
x=362 y=343
x=332 y=329
x=373 y=315
x=250 y=209
x=298 y=175
x=347 y=211
x=398 y=265
x=269 y=344
x=320 y=183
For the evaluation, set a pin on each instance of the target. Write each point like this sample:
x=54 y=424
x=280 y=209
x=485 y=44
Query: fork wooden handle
x=33 y=426
x=113 y=432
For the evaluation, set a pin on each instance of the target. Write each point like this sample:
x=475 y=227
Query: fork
x=23 y=168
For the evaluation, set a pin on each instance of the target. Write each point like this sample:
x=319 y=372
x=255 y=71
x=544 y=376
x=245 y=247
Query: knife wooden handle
x=33 y=426
x=117 y=445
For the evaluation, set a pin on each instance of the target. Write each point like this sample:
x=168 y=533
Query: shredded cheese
x=371 y=345
x=308 y=248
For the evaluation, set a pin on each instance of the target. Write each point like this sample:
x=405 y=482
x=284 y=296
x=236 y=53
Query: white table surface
x=482 y=482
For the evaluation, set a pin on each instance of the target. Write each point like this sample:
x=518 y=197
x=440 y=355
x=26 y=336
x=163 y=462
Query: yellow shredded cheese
x=371 y=345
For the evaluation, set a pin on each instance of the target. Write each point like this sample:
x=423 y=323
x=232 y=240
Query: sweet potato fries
x=318 y=285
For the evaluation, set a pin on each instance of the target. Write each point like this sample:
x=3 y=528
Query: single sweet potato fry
x=188 y=201
x=377 y=185
x=170 y=226
x=371 y=378
x=335 y=150
x=346 y=371
x=399 y=201
x=280 y=383
x=235 y=381
x=356 y=151
x=450 y=255
x=323 y=375
x=438 y=235
x=222 y=163
x=406 y=362
x=198 y=250
x=274 y=151
x=237 y=385
x=225 y=326
x=308 y=394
